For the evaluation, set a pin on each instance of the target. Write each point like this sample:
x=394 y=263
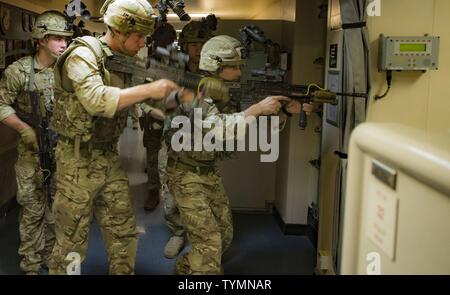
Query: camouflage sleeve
x=146 y=108
x=11 y=84
x=222 y=126
x=152 y=104
x=97 y=98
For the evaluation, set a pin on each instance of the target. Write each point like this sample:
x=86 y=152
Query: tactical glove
x=29 y=138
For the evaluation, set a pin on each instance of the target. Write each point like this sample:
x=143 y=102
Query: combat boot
x=173 y=247
x=152 y=200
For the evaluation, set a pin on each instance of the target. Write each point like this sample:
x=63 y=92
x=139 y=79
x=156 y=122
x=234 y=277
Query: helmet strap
x=122 y=40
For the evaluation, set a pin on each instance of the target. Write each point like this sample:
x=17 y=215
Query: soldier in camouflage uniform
x=90 y=114
x=33 y=73
x=152 y=124
x=191 y=41
x=192 y=175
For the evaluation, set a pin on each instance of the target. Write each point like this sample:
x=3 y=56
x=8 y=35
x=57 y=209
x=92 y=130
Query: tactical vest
x=70 y=119
x=42 y=83
x=193 y=158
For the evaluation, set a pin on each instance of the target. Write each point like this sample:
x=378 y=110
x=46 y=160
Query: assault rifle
x=273 y=79
x=254 y=91
x=171 y=67
x=46 y=141
x=273 y=84
x=142 y=71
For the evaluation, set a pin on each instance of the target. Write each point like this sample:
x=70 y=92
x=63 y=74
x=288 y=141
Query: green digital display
x=408 y=47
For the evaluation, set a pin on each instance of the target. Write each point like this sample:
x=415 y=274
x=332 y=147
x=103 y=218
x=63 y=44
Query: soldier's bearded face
x=230 y=73
x=54 y=45
x=193 y=50
x=134 y=43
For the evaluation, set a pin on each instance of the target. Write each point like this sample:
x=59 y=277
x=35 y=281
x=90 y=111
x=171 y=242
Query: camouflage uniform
x=134 y=114
x=90 y=179
x=203 y=206
x=171 y=213
x=36 y=225
x=197 y=187
x=163 y=36
x=152 y=142
x=156 y=168
x=193 y=32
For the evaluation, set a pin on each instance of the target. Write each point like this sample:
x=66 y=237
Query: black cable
x=389 y=83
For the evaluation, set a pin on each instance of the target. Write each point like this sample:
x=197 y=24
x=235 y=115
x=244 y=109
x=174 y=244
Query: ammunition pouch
x=90 y=145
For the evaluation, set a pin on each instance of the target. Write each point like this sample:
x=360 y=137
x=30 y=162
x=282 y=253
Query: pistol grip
x=303 y=121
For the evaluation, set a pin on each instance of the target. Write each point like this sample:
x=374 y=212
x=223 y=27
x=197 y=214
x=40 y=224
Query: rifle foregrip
x=303 y=121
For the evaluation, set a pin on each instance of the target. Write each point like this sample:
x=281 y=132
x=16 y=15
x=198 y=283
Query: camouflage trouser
x=205 y=213
x=94 y=183
x=36 y=227
x=171 y=213
x=156 y=174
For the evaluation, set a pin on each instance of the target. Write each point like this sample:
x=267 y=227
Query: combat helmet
x=51 y=22
x=194 y=31
x=164 y=35
x=127 y=16
x=221 y=51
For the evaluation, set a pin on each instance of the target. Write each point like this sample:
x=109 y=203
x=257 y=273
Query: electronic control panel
x=409 y=53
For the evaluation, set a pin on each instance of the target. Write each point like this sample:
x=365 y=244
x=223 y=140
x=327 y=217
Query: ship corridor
x=259 y=246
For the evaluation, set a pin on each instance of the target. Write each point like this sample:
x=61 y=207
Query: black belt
x=203 y=170
x=357 y=25
x=90 y=145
